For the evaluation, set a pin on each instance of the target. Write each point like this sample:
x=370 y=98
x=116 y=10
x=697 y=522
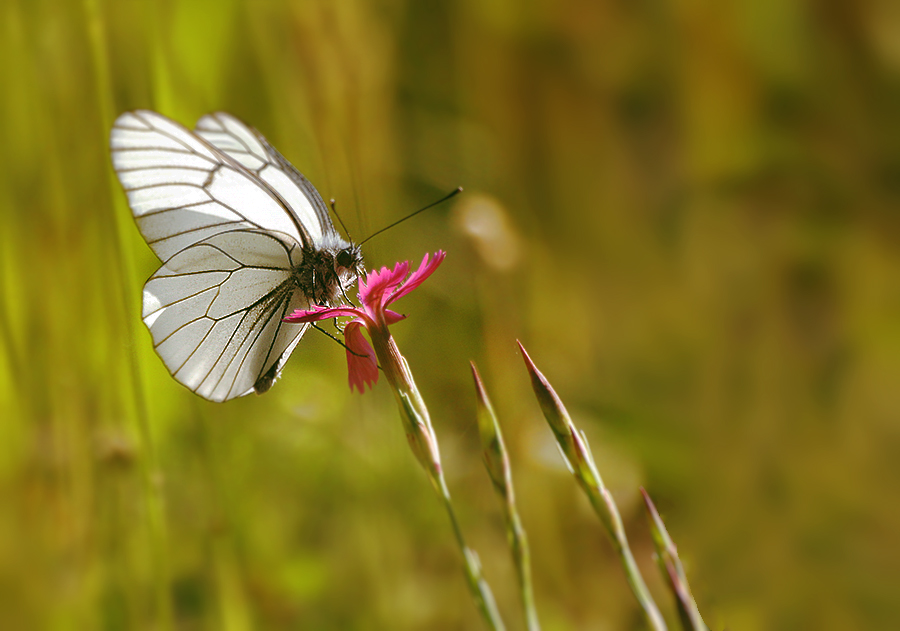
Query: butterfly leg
x=344 y=294
x=318 y=328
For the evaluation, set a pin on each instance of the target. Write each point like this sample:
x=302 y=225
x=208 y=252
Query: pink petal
x=392 y=317
x=378 y=284
x=361 y=366
x=425 y=270
x=317 y=313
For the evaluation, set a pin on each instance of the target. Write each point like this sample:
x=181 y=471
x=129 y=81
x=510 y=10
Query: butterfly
x=244 y=240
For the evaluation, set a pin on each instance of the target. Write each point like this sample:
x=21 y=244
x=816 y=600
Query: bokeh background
x=689 y=212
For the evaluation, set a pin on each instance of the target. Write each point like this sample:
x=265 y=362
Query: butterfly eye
x=344 y=258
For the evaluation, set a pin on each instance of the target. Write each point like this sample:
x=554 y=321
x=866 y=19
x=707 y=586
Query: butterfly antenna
x=455 y=192
x=333 y=205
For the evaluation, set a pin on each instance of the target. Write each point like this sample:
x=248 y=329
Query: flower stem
x=423 y=441
x=672 y=570
x=606 y=509
x=423 y=435
x=481 y=591
x=522 y=557
x=580 y=460
x=496 y=461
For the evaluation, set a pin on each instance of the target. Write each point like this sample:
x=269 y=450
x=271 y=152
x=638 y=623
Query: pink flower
x=379 y=289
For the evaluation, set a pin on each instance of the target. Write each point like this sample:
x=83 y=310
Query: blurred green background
x=689 y=212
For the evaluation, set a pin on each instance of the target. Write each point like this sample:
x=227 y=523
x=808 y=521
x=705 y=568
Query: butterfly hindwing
x=214 y=311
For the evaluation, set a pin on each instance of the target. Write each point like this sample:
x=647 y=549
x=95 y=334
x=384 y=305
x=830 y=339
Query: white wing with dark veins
x=215 y=310
x=181 y=189
x=250 y=148
x=229 y=242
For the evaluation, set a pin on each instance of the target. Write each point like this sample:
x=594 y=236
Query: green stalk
x=423 y=441
x=580 y=460
x=672 y=570
x=420 y=424
x=496 y=461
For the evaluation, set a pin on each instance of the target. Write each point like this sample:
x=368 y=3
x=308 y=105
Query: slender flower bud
x=672 y=569
x=572 y=442
x=420 y=436
x=495 y=458
x=575 y=449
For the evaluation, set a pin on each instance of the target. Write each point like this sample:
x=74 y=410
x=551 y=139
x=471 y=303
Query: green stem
x=522 y=558
x=606 y=509
x=424 y=444
x=672 y=570
x=481 y=591
x=577 y=453
x=496 y=461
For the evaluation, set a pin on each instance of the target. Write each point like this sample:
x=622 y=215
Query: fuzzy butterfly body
x=244 y=239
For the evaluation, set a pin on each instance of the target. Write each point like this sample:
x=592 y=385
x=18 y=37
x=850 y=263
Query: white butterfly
x=244 y=238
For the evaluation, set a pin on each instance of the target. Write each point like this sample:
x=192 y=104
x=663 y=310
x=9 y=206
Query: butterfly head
x=349 y=259
x=348 y=264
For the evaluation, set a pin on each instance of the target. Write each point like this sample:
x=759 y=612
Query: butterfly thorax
x=328 y=270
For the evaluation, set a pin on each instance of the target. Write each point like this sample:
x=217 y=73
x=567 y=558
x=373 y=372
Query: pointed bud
x=553 y=408
x=421 y=438
x=672 y=570
x=572 y=442
x=574 y=447
x=496 y=459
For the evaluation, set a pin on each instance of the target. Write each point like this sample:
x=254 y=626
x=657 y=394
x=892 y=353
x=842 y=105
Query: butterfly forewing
x=181 y=189
x=248 y=147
